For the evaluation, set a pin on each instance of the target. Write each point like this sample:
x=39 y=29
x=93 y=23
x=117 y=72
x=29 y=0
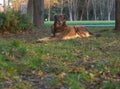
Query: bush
x=14 y=21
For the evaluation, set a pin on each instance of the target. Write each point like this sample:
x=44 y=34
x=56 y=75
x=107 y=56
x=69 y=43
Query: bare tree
x=88 y=7
x=101 y=8
x=38 y=12
x=30 y=9
x=49 y=9
x=62 y=5
x=75 y=8
x=109 y=8
x=84 y=7
x=117 y=15
x=94 y=2
x=70 y=5
x=41 y=12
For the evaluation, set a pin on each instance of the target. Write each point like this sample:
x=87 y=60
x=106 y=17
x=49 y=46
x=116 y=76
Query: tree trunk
x=88 y=8
x=75 y=10
x=94 y=2
x=38 y=12
x=70 y=8
x=41 y=12
x=81 y=17
x=49 y=9
x=62 y=6
x=30 y=9
x=117 y=15
x=102 y=9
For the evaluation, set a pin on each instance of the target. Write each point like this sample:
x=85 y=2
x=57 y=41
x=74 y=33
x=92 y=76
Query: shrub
x=14 y=21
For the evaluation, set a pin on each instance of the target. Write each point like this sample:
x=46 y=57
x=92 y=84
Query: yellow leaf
x=40 y=73
x=61 y=76
x=91 y=75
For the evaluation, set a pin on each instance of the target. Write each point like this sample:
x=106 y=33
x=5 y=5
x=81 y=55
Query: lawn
x=88 y=63
x=92 y=22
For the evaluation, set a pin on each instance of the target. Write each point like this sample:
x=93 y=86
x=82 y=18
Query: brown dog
x=62 y=31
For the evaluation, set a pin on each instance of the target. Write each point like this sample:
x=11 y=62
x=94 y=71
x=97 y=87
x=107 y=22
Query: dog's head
x=60 y=19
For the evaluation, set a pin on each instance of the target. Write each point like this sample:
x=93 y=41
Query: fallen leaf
x=61 y=76
x=40 y=73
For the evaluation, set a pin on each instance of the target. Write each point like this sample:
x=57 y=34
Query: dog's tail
x=96 y=35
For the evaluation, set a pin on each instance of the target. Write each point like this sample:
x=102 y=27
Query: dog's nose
x=59 y=22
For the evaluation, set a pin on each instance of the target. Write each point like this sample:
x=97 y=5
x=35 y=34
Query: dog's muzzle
x=59 y=22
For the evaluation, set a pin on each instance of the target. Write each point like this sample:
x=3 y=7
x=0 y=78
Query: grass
x=84 y=22
x=89 y=63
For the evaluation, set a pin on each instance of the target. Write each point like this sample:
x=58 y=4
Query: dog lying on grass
x=61 y=31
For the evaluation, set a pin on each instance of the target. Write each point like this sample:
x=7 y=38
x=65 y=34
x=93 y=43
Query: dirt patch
x=26 y=36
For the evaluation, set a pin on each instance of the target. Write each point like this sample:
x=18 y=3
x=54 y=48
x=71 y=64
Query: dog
x=61 y=31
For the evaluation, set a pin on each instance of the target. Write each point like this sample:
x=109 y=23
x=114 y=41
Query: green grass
x=89 y=63
x=84 y=22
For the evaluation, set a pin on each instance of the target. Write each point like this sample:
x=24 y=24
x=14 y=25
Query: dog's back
x=82 y=31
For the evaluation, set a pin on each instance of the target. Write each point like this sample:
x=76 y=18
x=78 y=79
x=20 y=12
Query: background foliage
x=14 y=21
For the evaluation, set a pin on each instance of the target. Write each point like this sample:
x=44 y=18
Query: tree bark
x=49 y=9
x=117 y=15
x=70 y=8
x=75 y=9
x=38 y=12
x=30 y=9
x=62 y=7
x=94 y=2
x=41 y=12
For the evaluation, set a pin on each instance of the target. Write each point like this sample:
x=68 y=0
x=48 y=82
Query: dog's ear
x=65 y=16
